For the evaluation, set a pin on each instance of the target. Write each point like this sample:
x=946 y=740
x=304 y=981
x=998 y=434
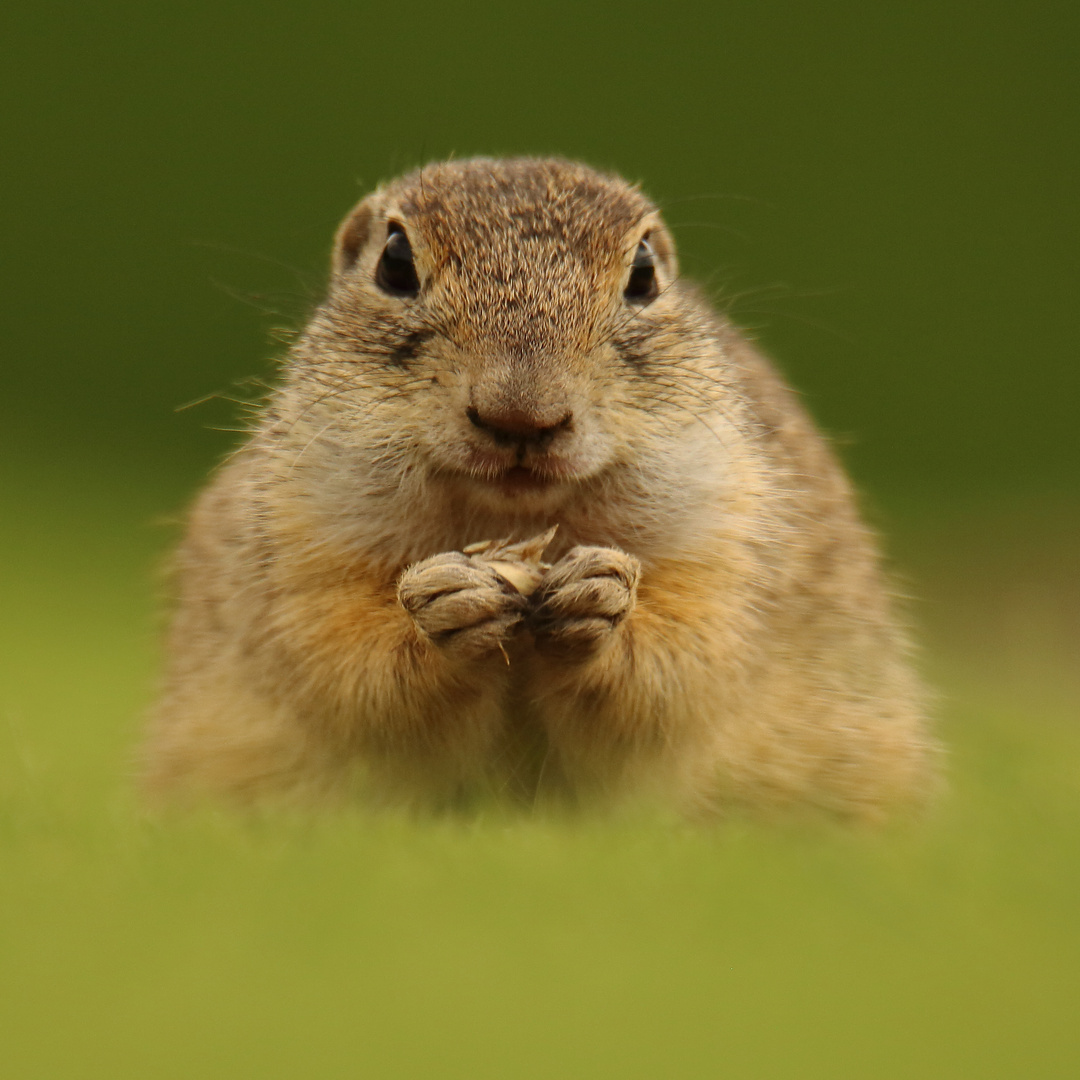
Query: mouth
x=504 y=480
x=521 y=480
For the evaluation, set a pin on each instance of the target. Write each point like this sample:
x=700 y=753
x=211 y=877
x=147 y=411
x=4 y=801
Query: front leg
x=333 y=669
x=591 y=670
x=625 y=669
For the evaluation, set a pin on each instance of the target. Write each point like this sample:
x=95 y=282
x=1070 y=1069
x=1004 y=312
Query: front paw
x=461 y=604
x=582 y=600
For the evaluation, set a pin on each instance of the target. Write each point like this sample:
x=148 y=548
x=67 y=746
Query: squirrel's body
x=506 y=347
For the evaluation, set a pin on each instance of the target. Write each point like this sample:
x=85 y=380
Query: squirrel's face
x=501 y=325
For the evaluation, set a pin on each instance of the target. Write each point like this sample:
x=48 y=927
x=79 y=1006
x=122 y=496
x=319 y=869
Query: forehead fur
x=531 y=242
x=523 y=198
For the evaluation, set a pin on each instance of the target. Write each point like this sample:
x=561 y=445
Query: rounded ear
x=662 y=243
x=353 y=233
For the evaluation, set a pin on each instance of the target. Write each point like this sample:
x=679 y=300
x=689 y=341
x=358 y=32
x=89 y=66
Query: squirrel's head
x=501 y=324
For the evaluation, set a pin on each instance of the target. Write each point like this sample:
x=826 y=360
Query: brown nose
x=510 y=426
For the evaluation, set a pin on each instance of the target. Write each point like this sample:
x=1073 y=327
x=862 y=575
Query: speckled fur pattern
x=715 y=633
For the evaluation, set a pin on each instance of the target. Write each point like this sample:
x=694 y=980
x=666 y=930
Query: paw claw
x=461 y=604
x=582 y=600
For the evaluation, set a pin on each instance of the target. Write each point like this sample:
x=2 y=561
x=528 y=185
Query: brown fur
x=714 y=633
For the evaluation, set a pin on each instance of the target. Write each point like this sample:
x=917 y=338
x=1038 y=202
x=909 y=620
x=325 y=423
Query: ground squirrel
x=507 y=346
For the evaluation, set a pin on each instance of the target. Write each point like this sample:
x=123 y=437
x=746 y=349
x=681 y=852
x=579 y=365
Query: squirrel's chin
x=515 y=489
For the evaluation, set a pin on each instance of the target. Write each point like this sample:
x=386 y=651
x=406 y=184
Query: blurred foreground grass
x=284 y=947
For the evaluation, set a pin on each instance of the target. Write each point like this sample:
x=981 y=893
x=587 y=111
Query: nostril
x=518 y=425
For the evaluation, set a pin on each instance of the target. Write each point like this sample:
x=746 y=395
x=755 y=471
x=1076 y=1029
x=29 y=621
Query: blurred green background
x=885 y=194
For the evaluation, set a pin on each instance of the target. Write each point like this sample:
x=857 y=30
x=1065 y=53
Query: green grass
x=286 y=946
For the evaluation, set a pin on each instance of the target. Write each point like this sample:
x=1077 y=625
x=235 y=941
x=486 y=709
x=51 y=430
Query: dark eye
x=396 y=273
x=642 y=283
